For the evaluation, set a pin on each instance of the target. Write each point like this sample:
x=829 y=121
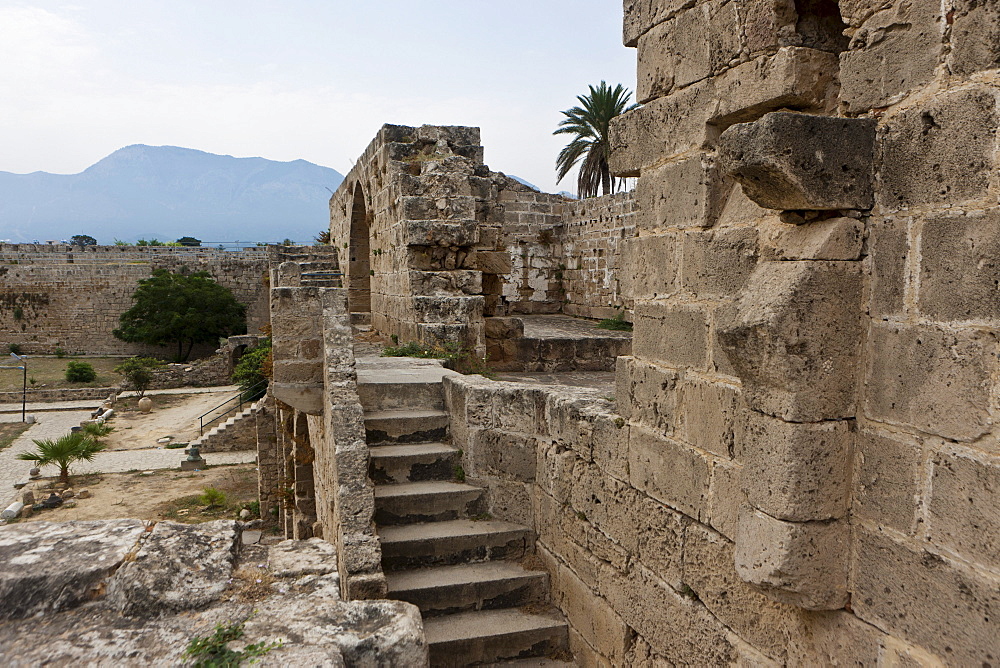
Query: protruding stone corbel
x=793 y=161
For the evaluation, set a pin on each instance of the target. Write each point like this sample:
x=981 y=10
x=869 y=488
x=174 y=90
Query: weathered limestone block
x=886 y=488
x=296 y=319
x=893 y=52
x=725 y=497
x=838 y=638
x=710 y=573
x=718 y=263
x=504 y=328
x=964 y=497
x=669 y=471
x=830 y=239
x=926 y=599
x=591 y=616
x=493 y=262
x=685 y=193
x=53 y=566
x=959 y=266
x=796 y=471
x=641 y=15
x=446 y=283
x=675 y=335
x=800 y=563
x=448 y=310
x=366 y=633
x=794 y=339
x=505 y=455
x=940 y=153
x=888 y=247
x=694 y=45
x=936 y=380
x=178 y=567
x=440 y=233
x=674 y=625
x=975 y=37
x=794 y=77
x=437 y=208
x=652 y=267
x=708 y=413
x=295 y=558
x=801 y=161
x=856 y=12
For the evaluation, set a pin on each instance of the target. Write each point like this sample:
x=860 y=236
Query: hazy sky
x=307 y=79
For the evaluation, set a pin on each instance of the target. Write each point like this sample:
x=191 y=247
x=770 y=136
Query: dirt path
x=172 y=415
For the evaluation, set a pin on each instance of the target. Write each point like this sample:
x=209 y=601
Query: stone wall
x=800 y=466
x=71 y=297
x=312 y=444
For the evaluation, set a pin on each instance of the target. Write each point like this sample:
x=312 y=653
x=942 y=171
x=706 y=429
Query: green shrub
x=60 y=353
x=80 y=372
x=14 y=348
x=138 y=372
x=254 y=367
x=211 y=496
x=456 y=357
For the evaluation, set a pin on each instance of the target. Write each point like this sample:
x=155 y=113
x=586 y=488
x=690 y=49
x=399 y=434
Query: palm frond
x=589 y=124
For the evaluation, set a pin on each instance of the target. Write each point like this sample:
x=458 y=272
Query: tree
x=83 y=240
x=138 y=372
x=253 y=368
x=322 y=239
x=183 y=310
x=189 y=241
x=63 y=452
x=589 y=125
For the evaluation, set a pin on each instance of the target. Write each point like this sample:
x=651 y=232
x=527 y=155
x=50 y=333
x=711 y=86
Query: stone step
x=361 y=318
x=452 y=542
x=427 y=501
x=483 y=586
x=390 y=392
x=406 y=426
x=412 y=462
x=471 y=638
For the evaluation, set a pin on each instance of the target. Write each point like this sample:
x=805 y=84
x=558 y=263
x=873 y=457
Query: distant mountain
x=525 y=183
x=165 y=192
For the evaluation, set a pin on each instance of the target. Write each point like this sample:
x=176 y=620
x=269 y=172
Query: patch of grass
x=456 y=357
x=213 y=651
x=459 y=473
x=9 y=431
x=238 y=487
x=617 y=323
x=48 y=372
x=251 y=583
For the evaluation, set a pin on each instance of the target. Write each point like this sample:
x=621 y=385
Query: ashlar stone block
x=975 y=37
x=830 y=239
x=964 y=498
x=802 y=161
x=800 y=563
x=893 y=52
x=796 y=471
x=959 y=267
x=794 y=339
x=940 y=153
x=934 y=379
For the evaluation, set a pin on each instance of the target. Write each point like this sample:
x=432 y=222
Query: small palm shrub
x=97 y=431
x=80 y=372
x=63 y=452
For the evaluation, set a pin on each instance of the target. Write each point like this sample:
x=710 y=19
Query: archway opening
x=359 y=296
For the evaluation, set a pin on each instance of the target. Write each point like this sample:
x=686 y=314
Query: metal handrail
x=246 y=396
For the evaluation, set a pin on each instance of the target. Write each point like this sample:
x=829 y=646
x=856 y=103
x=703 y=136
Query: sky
x=297 y=79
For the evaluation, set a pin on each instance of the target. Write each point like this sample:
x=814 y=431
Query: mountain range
x=166 y=192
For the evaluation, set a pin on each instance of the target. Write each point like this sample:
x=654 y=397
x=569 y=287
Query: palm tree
x=63 y=452
x=589 y=123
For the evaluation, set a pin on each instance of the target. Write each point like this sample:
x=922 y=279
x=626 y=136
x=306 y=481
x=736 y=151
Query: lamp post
x=23 y=359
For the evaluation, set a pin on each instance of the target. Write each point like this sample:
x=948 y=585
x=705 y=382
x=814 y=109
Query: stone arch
x=359 y=256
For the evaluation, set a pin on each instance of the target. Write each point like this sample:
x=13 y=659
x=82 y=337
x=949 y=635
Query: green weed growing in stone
x=617 y=323
x=213 y=651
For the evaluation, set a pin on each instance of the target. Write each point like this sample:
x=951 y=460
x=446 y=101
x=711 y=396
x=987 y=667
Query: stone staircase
x=439 y=550
x=222 y=437
x=319 y=265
